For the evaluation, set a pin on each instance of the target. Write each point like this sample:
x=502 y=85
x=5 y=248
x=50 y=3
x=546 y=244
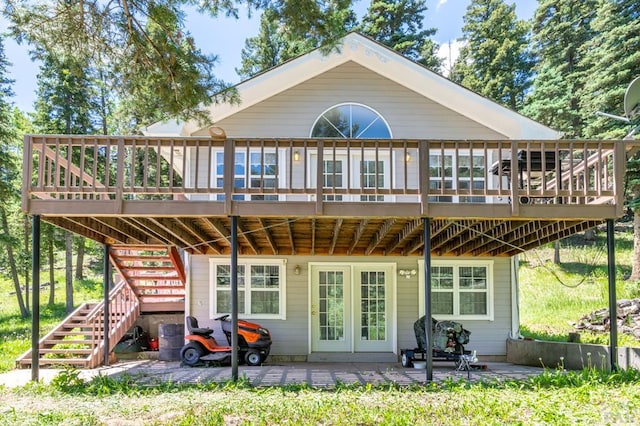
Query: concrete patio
x=275 y=374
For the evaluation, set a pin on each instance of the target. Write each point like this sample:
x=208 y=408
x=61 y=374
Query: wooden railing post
x=119 y=175
x=515 y=186
x=320 y=178
x=27 y=164
x=229 y=173
x=424 y=176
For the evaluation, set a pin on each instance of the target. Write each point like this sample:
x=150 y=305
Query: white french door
x=352 y=307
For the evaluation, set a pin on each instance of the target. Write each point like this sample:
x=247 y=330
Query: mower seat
x=192 y=325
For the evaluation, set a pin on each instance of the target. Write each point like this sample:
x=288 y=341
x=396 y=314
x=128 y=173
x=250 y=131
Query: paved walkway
x=314 y=374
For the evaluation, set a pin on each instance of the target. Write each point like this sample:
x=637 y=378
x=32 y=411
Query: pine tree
x=9 y=176
x=276 y=43
x=66 y=100
x=66 y=103
x=146 y=42
x=613 y=60
x=495 y=61
x=561 y=32
x=398 y=24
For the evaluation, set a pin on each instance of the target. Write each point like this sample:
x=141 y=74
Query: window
x=332 y=177
x=440 y=173
x=264 y=170
x=372 y=176
x=238 y=171
x=352 y=121
x=459 y=290
x=263 y=173
x=469 y=169
x=261 y=288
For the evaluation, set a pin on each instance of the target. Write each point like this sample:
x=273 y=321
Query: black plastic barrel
x=171 y=341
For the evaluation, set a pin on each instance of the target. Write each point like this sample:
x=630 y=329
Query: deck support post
x=35 y=300
x=427 y=297
x=234 y=298
x=613 y=304
x=106 y=289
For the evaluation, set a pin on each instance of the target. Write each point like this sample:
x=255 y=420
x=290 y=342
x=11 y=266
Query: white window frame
x=247 y=263
x=456 y=264
x=244 y=159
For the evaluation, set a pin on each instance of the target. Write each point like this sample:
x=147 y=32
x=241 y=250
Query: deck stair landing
x=155 y=273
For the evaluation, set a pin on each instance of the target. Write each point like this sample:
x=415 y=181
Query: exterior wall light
x=296 y=156
x=407 y=273
x=296 y=270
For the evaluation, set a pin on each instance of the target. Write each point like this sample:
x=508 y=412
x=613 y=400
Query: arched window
x=353 y=121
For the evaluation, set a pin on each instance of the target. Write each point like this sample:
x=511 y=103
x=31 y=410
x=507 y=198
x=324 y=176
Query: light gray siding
x=409 y=115
x=291 y=336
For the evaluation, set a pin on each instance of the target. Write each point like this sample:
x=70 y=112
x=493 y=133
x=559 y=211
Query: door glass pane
x=331 y=305
x=372 y=305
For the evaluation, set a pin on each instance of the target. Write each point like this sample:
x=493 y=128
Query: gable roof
x=385 y=62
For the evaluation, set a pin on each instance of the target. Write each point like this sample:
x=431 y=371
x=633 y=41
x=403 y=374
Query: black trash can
x=171 y=341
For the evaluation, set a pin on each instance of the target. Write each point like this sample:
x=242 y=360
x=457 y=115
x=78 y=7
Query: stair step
x=72 y=333
x=55 y=361
x=66 y=351
x=147 y=267
x=67 y=342
x=138 y=278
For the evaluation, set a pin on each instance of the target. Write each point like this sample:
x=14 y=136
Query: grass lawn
x=552 y=297
x=588 y=397
x=15 y=332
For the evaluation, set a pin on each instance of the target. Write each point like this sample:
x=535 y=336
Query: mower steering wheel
x=222 y=318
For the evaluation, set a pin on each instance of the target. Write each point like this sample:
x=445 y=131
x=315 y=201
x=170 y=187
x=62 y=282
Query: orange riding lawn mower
x=254 y=343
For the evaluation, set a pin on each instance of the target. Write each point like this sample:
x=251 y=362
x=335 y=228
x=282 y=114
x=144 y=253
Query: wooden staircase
x=151 y=279
x=155 y=273
x=79 y=339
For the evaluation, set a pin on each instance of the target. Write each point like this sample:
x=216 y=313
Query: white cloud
x=449 y=51
x=441 y=3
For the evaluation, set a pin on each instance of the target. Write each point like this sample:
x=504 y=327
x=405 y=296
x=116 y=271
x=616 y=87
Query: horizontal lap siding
x=487 y=337
x=290 y=337
x=293 y=112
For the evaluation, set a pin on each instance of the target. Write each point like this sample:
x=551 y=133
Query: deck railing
x=124 y=310
x=424 y=171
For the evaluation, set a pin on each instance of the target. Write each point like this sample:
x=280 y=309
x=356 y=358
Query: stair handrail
x=124 y=306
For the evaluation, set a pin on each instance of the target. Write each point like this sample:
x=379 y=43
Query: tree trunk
x=556 y=252
x=80 y=259
x=24 y=312
x=635 y=259
x=52 y=278
x=68 y=273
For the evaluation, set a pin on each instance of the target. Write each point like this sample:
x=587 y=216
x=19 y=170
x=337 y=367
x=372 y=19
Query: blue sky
x=225 y=37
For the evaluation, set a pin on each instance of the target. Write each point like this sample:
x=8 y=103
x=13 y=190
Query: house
x=342 y=175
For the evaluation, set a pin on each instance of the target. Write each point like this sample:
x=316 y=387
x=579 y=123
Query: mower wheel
x=190 y=354
x=406 y=361
x=253 y=358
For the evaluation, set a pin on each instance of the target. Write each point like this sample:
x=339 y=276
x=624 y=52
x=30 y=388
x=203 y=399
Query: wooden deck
x=318 y=197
